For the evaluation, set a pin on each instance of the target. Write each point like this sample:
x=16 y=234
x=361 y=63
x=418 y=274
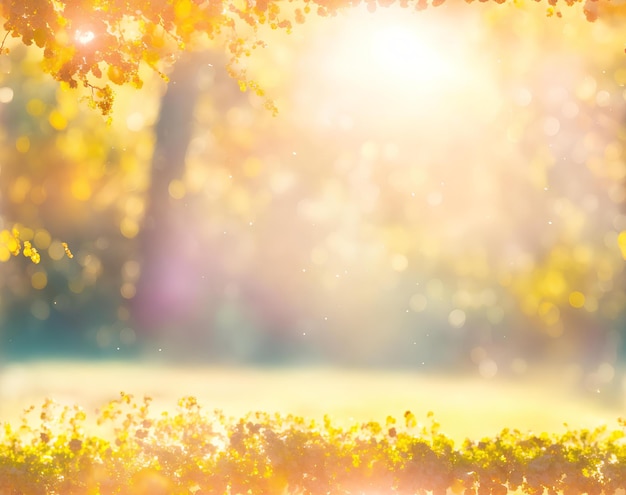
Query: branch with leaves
x=96 y=43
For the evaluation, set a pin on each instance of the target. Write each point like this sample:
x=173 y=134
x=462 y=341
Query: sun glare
x=399 y=52
x=399 y=64
x=84 y=37
x=397 y=68
x=390 y=53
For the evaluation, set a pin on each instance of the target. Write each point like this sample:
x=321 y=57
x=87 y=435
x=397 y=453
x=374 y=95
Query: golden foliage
x=94 y=43
x=194 y=452
x=31 y=252
x=68 y=253
x=11 y=244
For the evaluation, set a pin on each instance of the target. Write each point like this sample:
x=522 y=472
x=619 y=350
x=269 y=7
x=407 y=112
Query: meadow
x=466 y=405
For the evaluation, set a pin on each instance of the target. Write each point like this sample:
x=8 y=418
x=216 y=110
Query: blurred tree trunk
x=168 y=280
x=187 y=298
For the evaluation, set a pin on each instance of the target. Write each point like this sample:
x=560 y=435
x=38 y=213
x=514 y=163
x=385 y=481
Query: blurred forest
x=440 y=190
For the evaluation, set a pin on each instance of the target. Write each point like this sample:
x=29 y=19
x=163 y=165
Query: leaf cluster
x=192 y=452
x=10 y=242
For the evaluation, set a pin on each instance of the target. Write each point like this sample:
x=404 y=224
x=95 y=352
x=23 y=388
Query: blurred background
x=442 y=193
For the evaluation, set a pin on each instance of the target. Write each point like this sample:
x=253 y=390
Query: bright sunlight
x=389 y=65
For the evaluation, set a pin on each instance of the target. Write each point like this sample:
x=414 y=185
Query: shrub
x=193 y=452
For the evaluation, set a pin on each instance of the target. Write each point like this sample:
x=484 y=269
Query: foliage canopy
x=94 y=43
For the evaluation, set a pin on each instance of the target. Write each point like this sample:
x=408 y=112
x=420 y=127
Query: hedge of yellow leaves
x=192 y=452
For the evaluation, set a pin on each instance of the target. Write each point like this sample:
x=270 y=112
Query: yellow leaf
x=182 y=10
x=116 y=75
x=67 y=250
x=621 y=241
x=27 y=249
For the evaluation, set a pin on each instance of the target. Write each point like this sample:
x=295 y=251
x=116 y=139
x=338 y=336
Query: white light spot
x=84 y=37
x=522 y=97
x=603 y=98
x=135 y=121
x=397 y=48
x=488 y=368
x=456 y=318
x=6 y=95
x=399 y=262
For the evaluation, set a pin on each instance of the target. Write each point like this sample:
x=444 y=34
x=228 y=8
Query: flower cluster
x=192 y=452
